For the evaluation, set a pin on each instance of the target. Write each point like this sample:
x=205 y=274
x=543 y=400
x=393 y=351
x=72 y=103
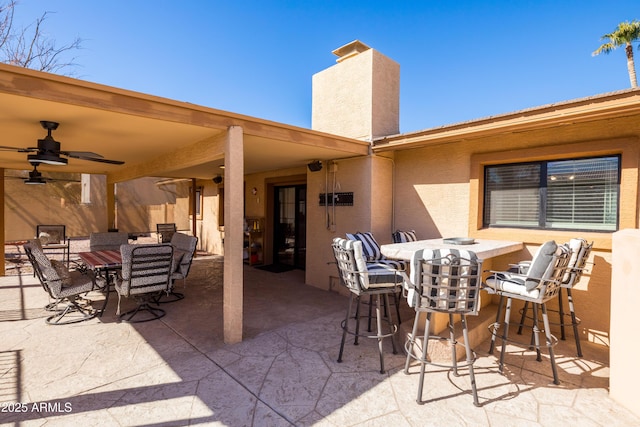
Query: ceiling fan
x=35 y=177
x=48 y=150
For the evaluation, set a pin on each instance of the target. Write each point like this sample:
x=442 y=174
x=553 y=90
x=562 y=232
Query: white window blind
x=580 y=194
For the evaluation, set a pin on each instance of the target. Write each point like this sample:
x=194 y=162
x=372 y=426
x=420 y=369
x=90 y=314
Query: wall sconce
x=315 y=166
x=217 y=179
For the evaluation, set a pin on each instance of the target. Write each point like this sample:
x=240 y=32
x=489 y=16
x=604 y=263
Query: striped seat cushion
x=383 y=275
x=388 y=263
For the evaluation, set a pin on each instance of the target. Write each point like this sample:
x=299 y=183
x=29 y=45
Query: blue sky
x=459 y=60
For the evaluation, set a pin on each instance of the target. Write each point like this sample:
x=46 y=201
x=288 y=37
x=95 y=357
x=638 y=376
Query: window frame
x=544 y=197
x=629 y=150
x=199 y=202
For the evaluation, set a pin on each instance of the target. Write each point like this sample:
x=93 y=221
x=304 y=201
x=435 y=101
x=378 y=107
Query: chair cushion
x=382 y=275
x=78 y=283
x=512 y=283
x=62 y=271
x=578 y=248
x=178 y=255
x=370 y=247
x=389 y=263
x=540 y=264
x=404 y=236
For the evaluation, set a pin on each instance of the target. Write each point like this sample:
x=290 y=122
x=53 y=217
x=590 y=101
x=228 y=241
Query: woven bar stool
x=443 y=281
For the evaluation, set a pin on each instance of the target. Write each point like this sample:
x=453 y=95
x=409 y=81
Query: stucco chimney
x=359 y=97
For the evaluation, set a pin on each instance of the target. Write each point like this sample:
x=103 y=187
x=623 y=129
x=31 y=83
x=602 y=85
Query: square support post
x=233 y=235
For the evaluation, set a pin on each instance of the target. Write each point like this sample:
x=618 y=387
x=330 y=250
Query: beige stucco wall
x=53 y=203
x=370 y=179
x=432 y=196
x=625 y=297
x=141 y=204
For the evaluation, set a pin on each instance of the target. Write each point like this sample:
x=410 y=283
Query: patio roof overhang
x=609 y=115
x=154 y=136
x=161 y=138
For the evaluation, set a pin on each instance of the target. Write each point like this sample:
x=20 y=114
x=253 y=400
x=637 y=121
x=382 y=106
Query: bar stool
x=580 y=251
x=443 y=281
x=364 y=279
x=538 y=286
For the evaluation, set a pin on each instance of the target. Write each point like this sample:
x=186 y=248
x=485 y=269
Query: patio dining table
x=106 y=262
x=483 y=248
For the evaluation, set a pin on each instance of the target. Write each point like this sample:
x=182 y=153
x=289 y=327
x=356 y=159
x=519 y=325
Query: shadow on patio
x=178 y=371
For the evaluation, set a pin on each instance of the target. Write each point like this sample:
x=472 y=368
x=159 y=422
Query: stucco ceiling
x=137 y=128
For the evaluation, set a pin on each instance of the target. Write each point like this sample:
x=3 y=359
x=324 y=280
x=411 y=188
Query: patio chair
x=110 y=241
x=54 y=238
x=165 y=232
x=67 y=288
x=400 y=236
x=374 y=259
x=184 y=248
x=146 y=272
x=539 y=285
x=580 y=251
x=449 y=282
x=366 y=279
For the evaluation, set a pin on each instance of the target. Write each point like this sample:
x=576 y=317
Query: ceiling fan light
x=49 y=159
x=35 y=181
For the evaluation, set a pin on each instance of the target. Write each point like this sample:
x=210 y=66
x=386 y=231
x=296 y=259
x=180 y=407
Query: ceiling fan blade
x=111 y=162
x=18 y=149
x=87 y=155
x=84 y=155
x=59 y=180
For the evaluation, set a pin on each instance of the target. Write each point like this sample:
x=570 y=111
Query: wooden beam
x=184 y=157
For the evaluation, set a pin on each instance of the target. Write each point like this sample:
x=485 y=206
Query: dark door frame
x=270 y=184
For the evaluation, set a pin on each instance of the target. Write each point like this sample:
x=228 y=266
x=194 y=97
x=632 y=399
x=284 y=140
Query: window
x=198 y=200
x=576 y=194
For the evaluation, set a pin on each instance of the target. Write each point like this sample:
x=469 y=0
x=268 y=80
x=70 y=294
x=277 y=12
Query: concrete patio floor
x=177 y=371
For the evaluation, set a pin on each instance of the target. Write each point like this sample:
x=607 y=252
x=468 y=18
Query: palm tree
x=626 y=33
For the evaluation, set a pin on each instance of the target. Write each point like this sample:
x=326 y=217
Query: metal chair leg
x=574 y=322
x=547 y=332
x=505 y=334
x=412 y=342
x=397 y=299
x=452 y=343
x=496 y=325
x=467 y=347
x=523 y=317
x=390 y=323
x=561 y=311
x=344 y=328
x=379 y=326
x=423 y=357
x=536 y=332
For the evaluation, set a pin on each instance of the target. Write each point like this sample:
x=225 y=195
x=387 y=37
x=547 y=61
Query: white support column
x=233 y=235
